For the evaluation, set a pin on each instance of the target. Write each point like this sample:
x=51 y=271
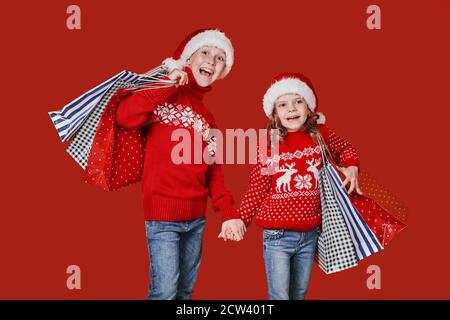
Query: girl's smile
x=292 y=111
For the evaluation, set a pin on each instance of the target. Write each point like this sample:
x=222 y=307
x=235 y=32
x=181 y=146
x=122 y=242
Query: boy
x=175 y=195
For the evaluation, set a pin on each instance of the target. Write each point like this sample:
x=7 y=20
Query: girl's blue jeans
x=289 y=257
x=175 y=251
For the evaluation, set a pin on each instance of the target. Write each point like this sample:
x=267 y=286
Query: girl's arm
x=342 y=150
x=257 y=191
x=346 y=156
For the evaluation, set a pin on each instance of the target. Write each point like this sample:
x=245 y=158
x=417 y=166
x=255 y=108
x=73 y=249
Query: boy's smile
x=207 y=65
x=206 y=71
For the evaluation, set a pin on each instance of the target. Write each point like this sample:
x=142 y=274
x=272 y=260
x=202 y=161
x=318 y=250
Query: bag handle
x=326 y=154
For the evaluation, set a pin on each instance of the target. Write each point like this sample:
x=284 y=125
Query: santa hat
x=196 y=40
x=291 y=83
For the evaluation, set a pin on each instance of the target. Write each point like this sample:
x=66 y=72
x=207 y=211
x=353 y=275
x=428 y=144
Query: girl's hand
x=351 y=175
x=233 y=229
x=181 y=77
x=228 y=235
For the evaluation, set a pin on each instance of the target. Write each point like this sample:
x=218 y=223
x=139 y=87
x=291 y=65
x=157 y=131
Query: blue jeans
x=289 y=257
x=175 y=251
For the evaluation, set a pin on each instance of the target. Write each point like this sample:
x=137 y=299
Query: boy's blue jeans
x=289 y=257
x=175 y=251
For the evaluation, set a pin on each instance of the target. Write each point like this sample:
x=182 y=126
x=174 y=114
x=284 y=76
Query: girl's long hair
x=278 y=133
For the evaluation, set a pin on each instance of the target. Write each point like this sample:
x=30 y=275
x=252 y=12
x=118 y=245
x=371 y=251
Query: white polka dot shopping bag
x=98 y=145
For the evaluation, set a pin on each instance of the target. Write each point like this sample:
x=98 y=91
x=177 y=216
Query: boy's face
x=207 y=65
x=292 y=111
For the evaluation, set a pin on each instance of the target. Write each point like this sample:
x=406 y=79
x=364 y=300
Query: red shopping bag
x=117 y=155
x=381 y=210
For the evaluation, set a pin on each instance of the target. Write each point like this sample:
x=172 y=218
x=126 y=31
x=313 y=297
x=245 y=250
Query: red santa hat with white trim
x=196 y=40
x=291 y=83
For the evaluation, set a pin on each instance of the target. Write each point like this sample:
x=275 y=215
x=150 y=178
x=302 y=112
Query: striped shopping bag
x=111 y=156
x=72 y=116
x=69 y=120
x=363 y=238
x=81 y=145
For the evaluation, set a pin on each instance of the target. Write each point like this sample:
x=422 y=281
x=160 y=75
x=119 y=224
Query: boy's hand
x=233 y=229
x=181 y=77
x=351 y=175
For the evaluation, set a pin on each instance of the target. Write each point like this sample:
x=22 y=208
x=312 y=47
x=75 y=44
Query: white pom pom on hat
x=196 y=40
x=291 y=83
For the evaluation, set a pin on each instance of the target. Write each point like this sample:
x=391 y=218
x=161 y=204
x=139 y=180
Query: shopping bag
x=384 y=225
x=370 y=224
x=364 y=240
x=336 y=251
x=68 y=120
x=80 y=147
x=117 y=154
x=385 y=214
x=378 y=209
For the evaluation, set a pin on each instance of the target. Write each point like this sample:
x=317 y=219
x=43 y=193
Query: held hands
x=233 y=229
x=351 y=175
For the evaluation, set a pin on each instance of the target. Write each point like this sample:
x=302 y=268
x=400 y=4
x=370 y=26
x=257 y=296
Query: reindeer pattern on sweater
x=284 y=187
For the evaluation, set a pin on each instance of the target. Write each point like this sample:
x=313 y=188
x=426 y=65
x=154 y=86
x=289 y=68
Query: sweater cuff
x=247 y=222
x=351 y=162
x=228 y=213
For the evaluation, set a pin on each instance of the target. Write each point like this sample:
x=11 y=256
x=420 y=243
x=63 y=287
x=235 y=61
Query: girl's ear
x=188 y=62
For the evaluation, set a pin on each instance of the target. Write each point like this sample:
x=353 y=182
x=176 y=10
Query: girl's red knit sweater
x=290 y=198
x=176 y=192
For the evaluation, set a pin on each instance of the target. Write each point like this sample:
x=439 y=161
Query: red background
x=385 y=90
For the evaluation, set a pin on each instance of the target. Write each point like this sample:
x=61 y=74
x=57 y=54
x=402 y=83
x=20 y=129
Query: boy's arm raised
x=134 y=110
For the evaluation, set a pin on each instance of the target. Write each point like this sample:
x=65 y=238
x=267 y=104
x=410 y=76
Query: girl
x=284 y=191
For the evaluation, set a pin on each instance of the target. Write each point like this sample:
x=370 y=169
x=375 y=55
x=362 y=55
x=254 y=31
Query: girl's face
x=292 y=111
x=207 y=65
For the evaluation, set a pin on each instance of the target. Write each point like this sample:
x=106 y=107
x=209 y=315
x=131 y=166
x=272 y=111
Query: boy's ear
x=188 y=62
x=222 y=74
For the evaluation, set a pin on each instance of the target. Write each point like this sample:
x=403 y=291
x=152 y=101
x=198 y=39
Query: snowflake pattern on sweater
x=289 y=197
x=185 y=117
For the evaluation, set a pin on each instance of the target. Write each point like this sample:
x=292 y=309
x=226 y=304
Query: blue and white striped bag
x=73 y=115
x=80 y=147
x=364 y=240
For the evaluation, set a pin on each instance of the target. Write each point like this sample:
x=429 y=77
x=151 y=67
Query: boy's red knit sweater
x=290 y=198
x=175 y=192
